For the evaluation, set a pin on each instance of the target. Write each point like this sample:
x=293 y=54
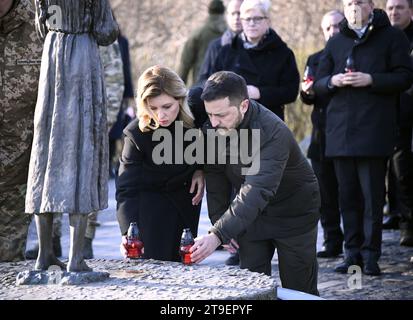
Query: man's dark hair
x=225 y=84
x=410 y=3
x=216 y=7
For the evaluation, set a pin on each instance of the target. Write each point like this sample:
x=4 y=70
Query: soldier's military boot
x=57 y=249
x=88 y=249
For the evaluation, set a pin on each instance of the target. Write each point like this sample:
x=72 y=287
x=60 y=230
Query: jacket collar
x=380 y=20
x=20 y=13
x=227 y=37
x=248 y=115
x=270 y=41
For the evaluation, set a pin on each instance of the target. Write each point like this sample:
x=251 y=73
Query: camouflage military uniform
x=20 y=57
x=114 y=80
x=196 y=46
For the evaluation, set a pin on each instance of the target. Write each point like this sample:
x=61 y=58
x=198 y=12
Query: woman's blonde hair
x=153 y=82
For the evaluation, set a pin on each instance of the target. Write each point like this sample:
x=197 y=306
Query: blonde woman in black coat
x=162 y=198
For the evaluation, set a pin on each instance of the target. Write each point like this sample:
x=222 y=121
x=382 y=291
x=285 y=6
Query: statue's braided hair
x=41 y=17
x=89 y=5
x=43 y=11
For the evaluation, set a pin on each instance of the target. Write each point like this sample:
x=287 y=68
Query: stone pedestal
x=58 y=277
x=139 y=280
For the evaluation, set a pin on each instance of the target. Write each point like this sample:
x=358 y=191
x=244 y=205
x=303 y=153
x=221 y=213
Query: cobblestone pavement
x=396 y=282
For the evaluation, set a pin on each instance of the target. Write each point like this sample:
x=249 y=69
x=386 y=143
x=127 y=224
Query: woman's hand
x=122 y=247
x=254 y=92
x=197 y=184
x=307 y=87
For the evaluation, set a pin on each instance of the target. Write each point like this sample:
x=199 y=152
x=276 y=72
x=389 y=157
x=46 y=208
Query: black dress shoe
x=391 y=222
x=346 y=264
x=233 y=260
x=371 y=269
x=406 y=238
x=329 y=253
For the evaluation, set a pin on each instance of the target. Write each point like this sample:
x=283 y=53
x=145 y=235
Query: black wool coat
x=361 y=122
x=281 y=200
x=406 y=98
x=155 y=196
x=271 y=67
x=316 y=149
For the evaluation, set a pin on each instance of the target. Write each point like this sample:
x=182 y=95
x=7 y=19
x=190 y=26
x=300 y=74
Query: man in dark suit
x=400 y=13
x=323 y=167
x=364 y=68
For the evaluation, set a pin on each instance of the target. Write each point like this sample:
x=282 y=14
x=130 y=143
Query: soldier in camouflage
x=197 y=44
x=114 y=80
x=20 y=57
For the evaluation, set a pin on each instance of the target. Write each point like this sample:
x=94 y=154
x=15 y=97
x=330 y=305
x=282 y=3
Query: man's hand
x=204 y=246
x=337 y=80
x=307 y=87
x=128 y=105
x=130 y=111
x=254 y=92
x=232 y=247
x=357 y=79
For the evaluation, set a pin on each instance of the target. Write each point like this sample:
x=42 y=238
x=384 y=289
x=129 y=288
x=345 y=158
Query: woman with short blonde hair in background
x=262 y=58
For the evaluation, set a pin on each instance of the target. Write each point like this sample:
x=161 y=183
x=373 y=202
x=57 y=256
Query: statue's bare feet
x=44 y=263
x=78 y=266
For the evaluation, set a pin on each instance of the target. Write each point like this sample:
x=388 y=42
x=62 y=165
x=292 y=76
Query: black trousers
x=403 y=169
x=330 y=213
x=297 y=260
x=361 y=199
x=393 y=192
